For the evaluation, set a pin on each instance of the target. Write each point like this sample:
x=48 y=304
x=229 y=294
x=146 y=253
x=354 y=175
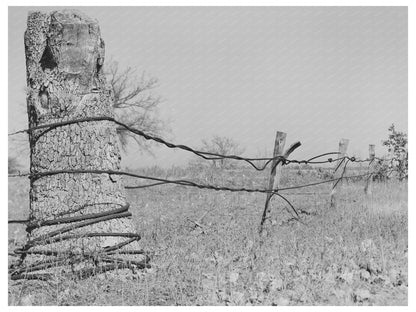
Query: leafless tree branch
x=134 y=103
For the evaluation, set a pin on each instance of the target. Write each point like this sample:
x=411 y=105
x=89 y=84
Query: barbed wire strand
x=202 y=154
x=202 y=186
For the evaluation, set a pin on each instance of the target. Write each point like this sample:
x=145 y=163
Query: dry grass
x=354 y=254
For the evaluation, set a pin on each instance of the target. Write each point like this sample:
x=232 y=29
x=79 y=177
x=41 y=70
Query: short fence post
x=342 y=149
x=279 y=145
x=372 y=156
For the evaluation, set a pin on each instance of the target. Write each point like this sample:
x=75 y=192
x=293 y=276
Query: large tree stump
x=64 y=59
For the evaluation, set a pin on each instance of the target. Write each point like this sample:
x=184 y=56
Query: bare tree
x=224 y=146
x=134 y=103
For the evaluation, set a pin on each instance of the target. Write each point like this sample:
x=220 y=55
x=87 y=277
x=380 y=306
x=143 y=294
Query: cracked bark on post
x=64 y=59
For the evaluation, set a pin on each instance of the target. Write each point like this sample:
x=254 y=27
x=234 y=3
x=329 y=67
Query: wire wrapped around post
x=76 y=219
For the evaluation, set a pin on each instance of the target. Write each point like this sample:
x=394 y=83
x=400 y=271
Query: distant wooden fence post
x=372 y=155
x=342 y=149
x=279 y=145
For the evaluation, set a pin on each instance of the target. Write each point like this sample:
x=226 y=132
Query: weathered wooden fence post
x=369 y=181
x=342 y=150
x=279 y=145
x=78 y=221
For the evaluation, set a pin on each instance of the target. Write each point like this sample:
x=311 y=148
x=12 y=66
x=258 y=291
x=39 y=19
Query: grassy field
x=353 y=254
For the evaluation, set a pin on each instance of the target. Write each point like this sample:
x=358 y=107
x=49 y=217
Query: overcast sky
x=317 y=73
